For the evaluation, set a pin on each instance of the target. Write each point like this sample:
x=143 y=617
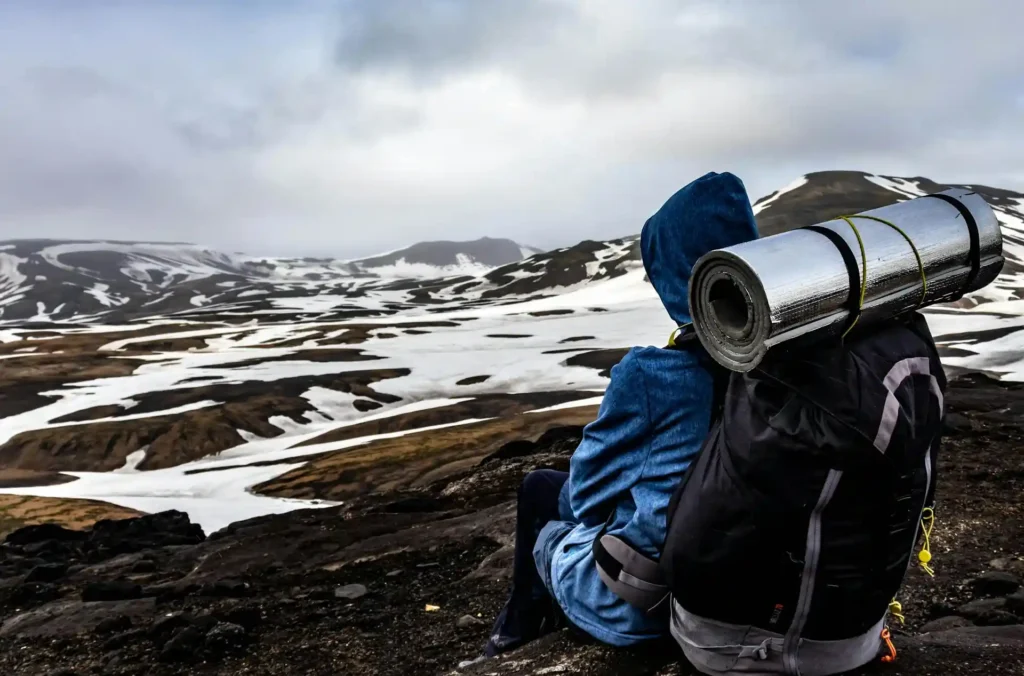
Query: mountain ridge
x=88 y=281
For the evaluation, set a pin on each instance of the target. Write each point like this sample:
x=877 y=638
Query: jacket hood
x=712 y=212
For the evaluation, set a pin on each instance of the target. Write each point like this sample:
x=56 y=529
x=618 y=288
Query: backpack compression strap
x=633 y=577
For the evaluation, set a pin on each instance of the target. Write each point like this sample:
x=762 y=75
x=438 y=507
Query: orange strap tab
x=887 y=637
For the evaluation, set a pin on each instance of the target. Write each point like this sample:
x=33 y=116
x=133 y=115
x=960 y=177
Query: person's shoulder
x=658 y=358
x=655 y=365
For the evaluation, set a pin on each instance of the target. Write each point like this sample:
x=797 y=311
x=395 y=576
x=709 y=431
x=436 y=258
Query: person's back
x=650 y=426
x=652 y=422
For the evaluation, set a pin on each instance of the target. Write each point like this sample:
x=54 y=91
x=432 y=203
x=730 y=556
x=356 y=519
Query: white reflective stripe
x=811 y=556
x=643 y=585
x=900 y=371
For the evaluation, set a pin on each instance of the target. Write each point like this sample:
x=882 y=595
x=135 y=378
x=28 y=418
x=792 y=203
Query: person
x=650 y=426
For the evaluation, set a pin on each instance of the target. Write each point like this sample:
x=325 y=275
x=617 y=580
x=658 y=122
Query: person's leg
x=530 y=606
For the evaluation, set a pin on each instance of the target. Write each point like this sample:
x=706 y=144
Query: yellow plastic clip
x=896 y=610
x=924 y=556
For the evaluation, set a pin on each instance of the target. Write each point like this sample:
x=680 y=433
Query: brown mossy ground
x=445 y=542
x=17 y=511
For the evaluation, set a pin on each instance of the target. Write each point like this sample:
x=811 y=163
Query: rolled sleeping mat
x=809 y=284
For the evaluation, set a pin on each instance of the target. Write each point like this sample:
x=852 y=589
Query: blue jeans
x=531 y=611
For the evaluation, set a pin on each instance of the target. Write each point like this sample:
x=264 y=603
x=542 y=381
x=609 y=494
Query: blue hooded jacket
x=651 y=424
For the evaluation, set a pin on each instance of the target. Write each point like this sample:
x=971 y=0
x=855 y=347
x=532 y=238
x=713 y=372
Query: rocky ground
x=406 y=580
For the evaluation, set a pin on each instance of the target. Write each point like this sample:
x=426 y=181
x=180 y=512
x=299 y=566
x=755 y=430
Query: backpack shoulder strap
x=685 y=338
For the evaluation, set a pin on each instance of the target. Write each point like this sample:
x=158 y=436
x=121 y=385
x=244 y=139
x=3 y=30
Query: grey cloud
x=425 y=38
x=546 y=120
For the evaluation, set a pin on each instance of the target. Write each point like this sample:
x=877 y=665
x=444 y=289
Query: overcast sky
x=345 y=128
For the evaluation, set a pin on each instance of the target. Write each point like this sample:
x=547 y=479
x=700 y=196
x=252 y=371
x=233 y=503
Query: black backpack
x=793 y=529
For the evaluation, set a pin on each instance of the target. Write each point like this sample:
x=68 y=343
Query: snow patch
x=761 y=206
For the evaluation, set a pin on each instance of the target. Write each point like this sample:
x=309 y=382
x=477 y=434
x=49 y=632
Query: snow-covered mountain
x=160 y=376
x=97 y=280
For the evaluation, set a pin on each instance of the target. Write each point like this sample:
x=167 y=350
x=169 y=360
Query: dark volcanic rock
x=450 y=539
x=224 y=637
x=184 y=645
x=66 y=618
x=1015 y=603
x=225 y=588
x=165 y=627
x=247 y=617
x=944 y=623
x=995 y=583
x=50 y=549
x=114 y=624
x=32 y=594
x=996 y=618
x=473 y=380
x=144 y=566
x=111 y=591
x=121 y=640
x=43 y=533
x=977 y=608
x=976 y=637
x=47 y=572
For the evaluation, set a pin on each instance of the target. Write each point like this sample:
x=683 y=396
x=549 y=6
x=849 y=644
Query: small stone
x=247 y=618
x=995 y=583
x=111 y=591
x=941 y=609
x=468 y=621
x=1015 y=603
x=119 y=641
x=350 y=591
x=167 y=625
x=225 y=588
x=144 y=566
x=183 y=646
x=394 y=573
x=114 y=624
x=225 y=637
x=976 y=609
x=432 y=609
x=204 y=623
x=944 y=623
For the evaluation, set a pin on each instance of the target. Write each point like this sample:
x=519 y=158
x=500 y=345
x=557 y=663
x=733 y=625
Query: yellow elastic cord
x=864 y=261
x=863 y=273
x=896 y=610
x=925 y=555
x=920 y=263
x=672 y=336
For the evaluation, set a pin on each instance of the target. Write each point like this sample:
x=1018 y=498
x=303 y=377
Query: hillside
x=405 y=578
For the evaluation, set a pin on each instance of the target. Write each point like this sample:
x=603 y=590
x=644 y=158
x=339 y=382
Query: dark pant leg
x=530 y=610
